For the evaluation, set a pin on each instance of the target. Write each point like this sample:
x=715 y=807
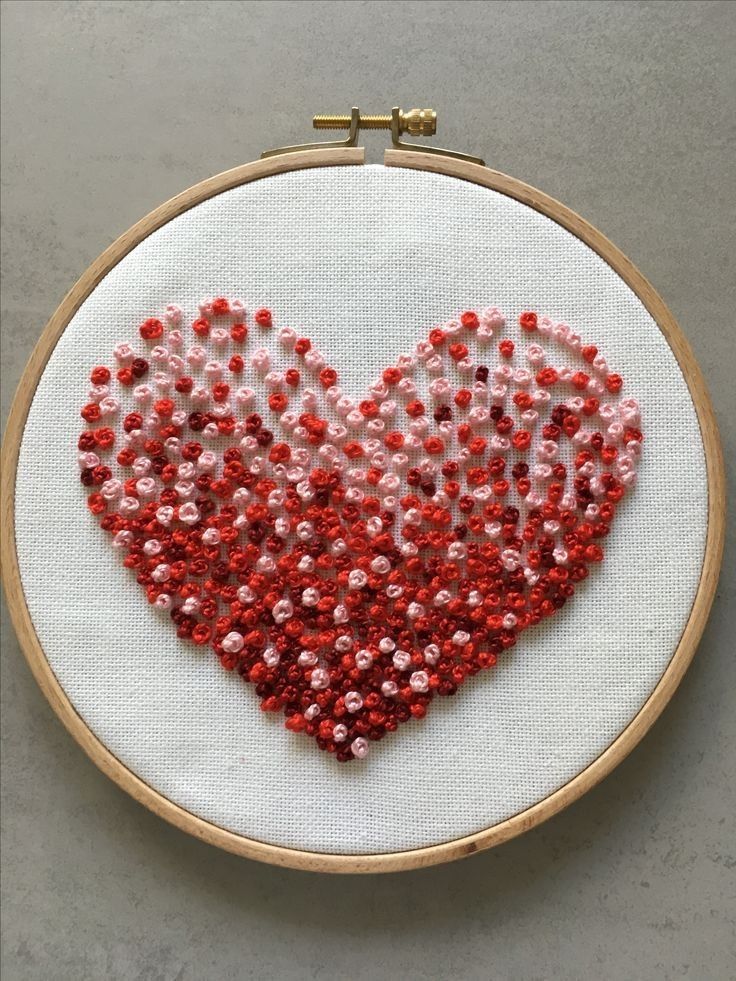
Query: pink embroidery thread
x=352 y=560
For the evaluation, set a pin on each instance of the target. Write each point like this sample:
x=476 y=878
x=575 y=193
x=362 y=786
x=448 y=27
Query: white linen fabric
x=363 y=260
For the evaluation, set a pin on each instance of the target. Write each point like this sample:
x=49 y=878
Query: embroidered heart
x=373 y=553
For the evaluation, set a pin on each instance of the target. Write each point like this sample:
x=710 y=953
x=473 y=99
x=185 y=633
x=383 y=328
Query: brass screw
x=416 y=122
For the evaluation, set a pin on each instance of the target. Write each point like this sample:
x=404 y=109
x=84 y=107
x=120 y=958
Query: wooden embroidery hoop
x=585 y=779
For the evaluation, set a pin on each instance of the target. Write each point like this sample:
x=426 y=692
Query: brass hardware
x=351 y=123
x=397 y=120
x=415 y=122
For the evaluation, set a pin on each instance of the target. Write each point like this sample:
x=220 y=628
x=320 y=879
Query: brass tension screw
x=415 y=122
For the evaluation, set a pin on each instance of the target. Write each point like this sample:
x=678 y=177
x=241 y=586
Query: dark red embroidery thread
x=352 y=560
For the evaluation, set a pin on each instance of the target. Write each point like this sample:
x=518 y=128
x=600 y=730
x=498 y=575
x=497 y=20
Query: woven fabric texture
x=363 y=261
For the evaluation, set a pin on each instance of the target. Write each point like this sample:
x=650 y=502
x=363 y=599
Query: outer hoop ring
x=537 y=813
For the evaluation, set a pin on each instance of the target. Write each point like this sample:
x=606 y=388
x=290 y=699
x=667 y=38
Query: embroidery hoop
x=586 y=778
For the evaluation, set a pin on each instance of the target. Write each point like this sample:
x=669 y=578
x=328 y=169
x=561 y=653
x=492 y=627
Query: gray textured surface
x=622 y=111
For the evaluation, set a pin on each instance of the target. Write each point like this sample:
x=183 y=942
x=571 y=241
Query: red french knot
x=354 y=559
x=151 y=329
x=528 y=322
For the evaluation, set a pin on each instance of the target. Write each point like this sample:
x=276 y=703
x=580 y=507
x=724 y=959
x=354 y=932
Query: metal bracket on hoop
x=415 y=122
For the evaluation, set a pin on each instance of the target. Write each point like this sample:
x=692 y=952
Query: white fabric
x=363 y=260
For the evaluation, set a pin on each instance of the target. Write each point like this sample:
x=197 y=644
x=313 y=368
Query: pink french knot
x=173 y=315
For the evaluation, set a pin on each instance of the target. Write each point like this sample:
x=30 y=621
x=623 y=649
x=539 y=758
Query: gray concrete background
x=624 y=111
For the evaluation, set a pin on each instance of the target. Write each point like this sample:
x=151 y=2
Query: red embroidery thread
x=353 y=560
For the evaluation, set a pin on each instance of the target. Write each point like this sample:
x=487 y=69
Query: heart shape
x=376 y=552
